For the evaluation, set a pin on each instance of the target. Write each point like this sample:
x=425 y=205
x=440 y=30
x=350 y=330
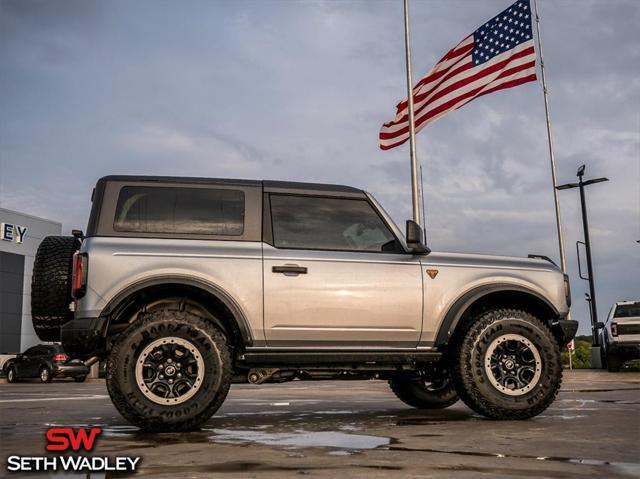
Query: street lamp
x=585 y=224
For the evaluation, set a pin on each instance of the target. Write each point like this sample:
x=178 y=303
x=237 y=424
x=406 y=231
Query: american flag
x=500 y=54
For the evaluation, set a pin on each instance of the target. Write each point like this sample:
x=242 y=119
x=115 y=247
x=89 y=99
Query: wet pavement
x=348 y=429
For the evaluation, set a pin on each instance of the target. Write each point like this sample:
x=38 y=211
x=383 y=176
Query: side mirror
x=599 y=325
x=414 y=238
x=19 y=356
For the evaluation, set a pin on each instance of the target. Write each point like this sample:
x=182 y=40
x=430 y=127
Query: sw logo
x=65 y=438
x=70 y=440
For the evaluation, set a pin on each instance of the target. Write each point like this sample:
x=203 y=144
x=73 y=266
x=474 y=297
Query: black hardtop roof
x=268 y=185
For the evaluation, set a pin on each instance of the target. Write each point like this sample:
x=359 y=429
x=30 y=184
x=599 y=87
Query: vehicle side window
x=203 y=211
x=338 y=224
x=32 y=351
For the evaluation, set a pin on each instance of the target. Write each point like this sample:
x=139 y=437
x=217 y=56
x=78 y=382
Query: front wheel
x=508 y=365
x=422 y=393
x=169 y=371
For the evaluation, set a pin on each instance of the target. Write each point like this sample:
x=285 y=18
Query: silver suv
x=189 y=284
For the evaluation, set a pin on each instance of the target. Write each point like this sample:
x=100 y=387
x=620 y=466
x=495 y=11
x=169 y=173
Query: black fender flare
x=241 y=321
x=455 y=312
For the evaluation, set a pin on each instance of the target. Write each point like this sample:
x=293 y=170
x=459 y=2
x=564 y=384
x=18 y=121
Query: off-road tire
x=415 y=393
x=79 y=379
x=45 y=375
x=12 y=376
x=128 y=397
x=51 y=285
x=471 y=377
x=614 y=363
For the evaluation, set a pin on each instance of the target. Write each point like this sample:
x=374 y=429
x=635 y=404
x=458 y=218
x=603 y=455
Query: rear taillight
x=79 y=275
x=614 y=329
x=60 y=358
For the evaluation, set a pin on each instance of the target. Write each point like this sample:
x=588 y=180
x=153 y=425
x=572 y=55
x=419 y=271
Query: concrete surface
x=349 y=429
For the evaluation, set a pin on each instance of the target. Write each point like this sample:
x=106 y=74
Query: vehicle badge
x=432 y=273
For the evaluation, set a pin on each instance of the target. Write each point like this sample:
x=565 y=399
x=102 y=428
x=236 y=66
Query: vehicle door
x=45 y=357
x=24 y=364
x=336 y=276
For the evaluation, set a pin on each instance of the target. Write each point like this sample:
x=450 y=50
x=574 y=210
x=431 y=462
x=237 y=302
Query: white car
x=622 y=334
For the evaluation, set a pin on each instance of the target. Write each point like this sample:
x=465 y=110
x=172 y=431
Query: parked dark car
x=44 y=361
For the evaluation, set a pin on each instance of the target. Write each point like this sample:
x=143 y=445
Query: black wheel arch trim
x=460 y=306
x=120 y=298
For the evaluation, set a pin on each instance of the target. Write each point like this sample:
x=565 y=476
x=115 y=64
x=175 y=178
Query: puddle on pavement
x=300 y=439
x=562 y=416
x=115 y=431
x=342 y=452
x=239 y=466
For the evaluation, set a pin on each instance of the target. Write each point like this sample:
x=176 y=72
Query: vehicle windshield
x=627 y=311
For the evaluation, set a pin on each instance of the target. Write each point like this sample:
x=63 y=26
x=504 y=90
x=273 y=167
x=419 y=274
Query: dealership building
x=20 y=236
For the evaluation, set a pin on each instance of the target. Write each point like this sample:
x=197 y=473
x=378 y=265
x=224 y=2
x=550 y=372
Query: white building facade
x=20 y=236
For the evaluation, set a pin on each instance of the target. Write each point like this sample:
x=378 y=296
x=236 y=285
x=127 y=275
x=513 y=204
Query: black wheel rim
x=513 y=364
x=169 y=371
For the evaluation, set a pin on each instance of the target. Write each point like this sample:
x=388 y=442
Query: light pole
x=585 y=224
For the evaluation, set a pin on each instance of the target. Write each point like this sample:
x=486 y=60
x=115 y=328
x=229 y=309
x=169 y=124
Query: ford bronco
x=185 y=285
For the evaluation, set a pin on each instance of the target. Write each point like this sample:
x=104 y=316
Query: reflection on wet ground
x=300 y=438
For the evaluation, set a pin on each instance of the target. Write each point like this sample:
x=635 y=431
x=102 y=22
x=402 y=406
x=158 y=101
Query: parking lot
x=349 y=429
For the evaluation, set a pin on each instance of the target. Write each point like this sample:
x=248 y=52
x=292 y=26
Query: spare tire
x=51 y=285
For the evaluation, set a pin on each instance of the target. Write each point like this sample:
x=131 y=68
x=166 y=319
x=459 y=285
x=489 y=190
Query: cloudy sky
x=298 y=90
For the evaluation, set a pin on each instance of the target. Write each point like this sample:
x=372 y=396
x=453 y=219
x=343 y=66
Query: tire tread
x=463 y=378
x=51 y=285
x=150 y=425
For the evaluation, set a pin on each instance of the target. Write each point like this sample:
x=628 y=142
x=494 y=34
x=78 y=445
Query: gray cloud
x=298 y=90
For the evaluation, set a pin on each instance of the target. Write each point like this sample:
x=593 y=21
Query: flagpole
x=552 y=158
x=412 y=128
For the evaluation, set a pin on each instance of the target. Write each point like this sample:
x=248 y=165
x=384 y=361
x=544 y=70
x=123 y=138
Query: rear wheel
x=12 y=377
x=169 y=371
x=80 y=379
x=51 y=285
x=45 y=375
x=423 y=393
x=508 y=365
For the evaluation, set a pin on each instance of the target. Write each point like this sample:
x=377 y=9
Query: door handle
x=289 y=269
